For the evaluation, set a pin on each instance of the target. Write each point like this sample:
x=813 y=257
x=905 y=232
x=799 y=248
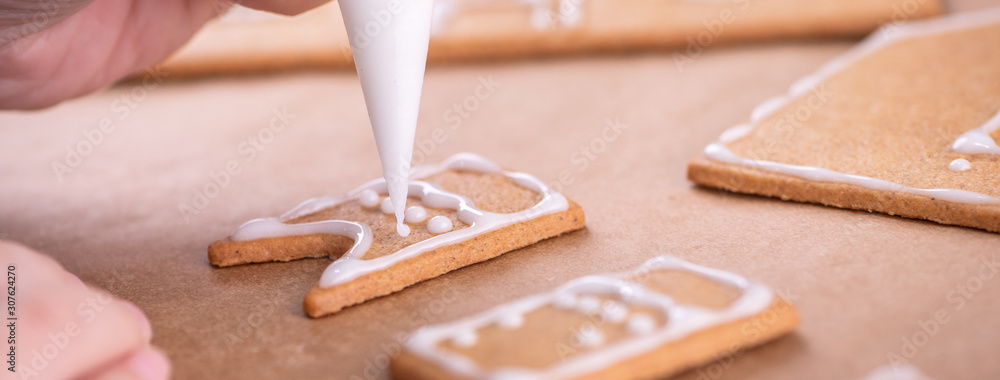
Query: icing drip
x=960 y=165
x=646 y=334
x=351 y=265
x=974 y=141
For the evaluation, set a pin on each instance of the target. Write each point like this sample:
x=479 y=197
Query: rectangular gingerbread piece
x=667 y=316
x=905 y=124
x=250 y=41
x=461 y=212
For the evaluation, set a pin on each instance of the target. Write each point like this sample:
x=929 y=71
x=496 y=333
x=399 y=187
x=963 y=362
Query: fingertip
x=283 y=7
x=140 y=317
x=150 y=364
x=77 y=281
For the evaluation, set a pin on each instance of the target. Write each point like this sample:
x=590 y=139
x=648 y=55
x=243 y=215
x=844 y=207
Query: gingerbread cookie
x=666 y=316
x=463 y=30
x=461 y=212
x=904 y=124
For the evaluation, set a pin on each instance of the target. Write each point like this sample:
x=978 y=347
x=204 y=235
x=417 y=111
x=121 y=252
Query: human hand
x=65 y=330
x=53 y=50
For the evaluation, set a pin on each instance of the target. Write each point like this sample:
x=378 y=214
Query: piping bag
x=389 y=41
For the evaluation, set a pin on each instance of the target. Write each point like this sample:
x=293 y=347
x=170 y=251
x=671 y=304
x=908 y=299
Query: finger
x=65 y=332
x=32 y=269
x=145 y=328
x=285 y=7
x=13 y=253
x=123 y=37
x=146 y=364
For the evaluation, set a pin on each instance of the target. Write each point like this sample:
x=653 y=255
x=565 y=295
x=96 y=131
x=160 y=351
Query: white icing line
x=971 y=141
x=721 y=153
x=351 y=265
x=735 y=133
x=273 y=227
x=683 y=321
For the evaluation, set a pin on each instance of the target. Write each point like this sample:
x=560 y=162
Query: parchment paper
x=866 y=284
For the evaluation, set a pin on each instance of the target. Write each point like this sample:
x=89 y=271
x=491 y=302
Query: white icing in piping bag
x=389 y=41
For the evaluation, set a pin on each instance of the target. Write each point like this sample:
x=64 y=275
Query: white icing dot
x=439 y=225
x=588 y=305
x=415 y=214
x=387 y=206
x=465 y=339
x=589 y=336
x=511 y=320
x=368 y=198
x=960 y=165
x=565 y=301
x=614 y=312
x=641 y=323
